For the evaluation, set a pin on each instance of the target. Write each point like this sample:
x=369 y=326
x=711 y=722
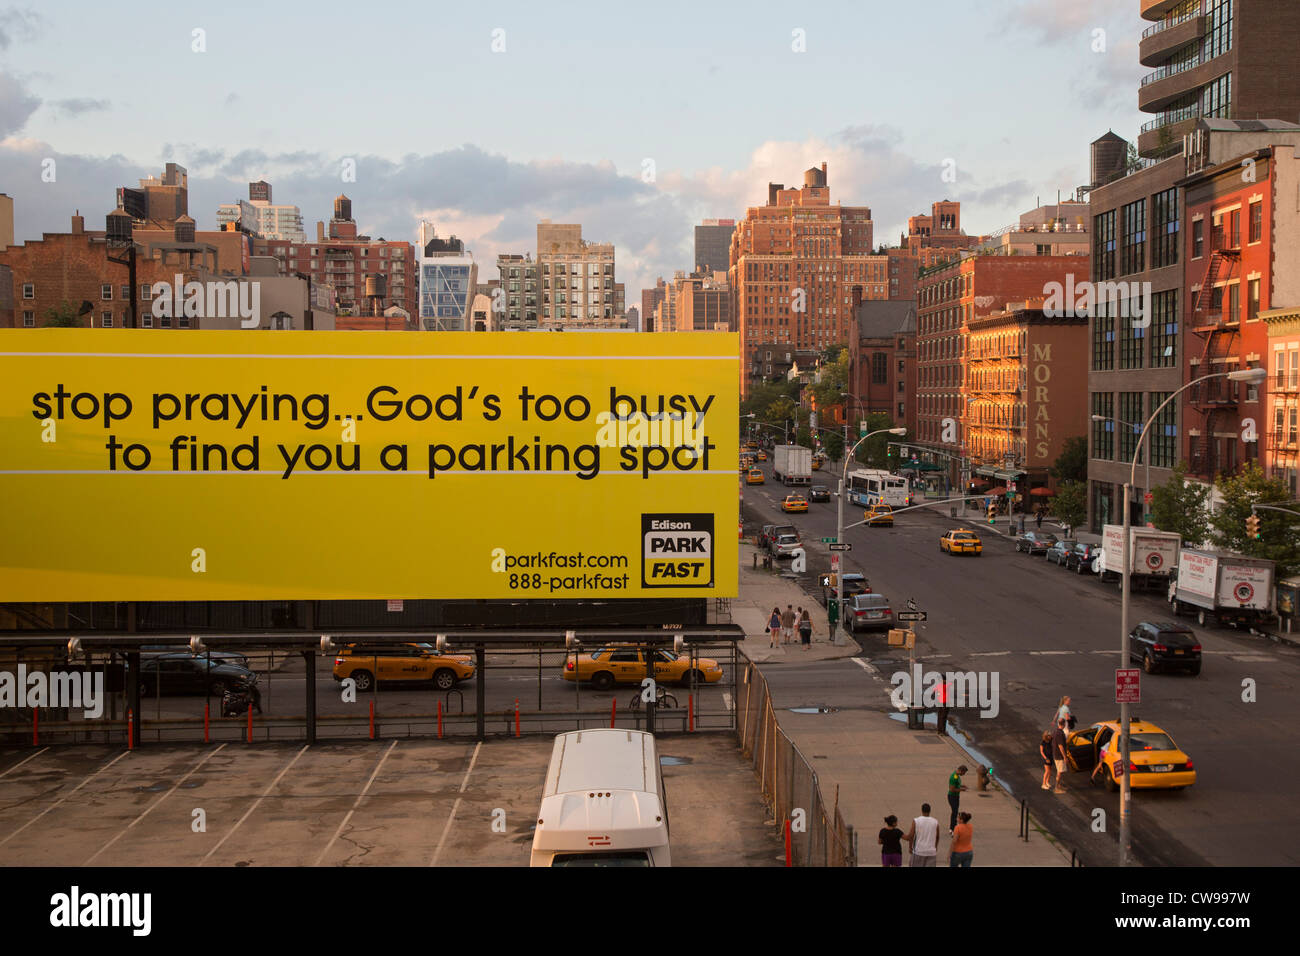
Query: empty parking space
x=399 y=803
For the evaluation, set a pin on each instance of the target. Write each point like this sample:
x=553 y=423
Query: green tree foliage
x=833 y=443
x=872 y=451
x=63 y=316
x=1182 y=506
x=1279 y=533
x=834 y=381
x=762 y=397
x=1071 y=503
x=1072 y=463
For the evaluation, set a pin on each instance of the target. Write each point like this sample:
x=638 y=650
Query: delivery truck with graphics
x=1222 y=588
x=1153 y=555
x=792 y=464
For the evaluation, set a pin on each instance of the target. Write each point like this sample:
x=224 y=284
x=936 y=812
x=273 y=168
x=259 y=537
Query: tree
x=833 y=443
x=1180 y=505
x=63 y=316
x=872 y=451
x=762 y=396
x=1071 y=503
x=1279 y=533
x=1072 y=463
x=834 y=381
x=1132 y=161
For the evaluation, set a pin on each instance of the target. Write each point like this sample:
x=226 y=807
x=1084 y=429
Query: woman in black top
x=1045 y=751
x=891 y=843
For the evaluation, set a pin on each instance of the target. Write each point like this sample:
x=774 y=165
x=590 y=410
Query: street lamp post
x=839 y=523
x=1253 y=376
x=857 y=402
x=1145 y=458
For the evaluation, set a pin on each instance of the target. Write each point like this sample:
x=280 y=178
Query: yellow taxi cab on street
x=961 y=541
x=879 y=515
x=793 y=503
x=621 y=664
x=762 y=455
x=753 y=477
x=405 y=663
x=817 y=463
x=1155 y=762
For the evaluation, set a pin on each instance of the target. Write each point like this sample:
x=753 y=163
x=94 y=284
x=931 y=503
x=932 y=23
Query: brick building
x=882 y=363
x=700 y=302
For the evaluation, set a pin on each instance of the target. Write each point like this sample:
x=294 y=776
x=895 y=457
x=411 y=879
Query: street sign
x=1148 y=497
x=835 y=564
x=1128 y=688
x=842 y=546
x=910 y=616
x=828 y=540
x=911 y=604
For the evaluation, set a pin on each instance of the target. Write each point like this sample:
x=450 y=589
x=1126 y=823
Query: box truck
x=1222 y=588
x=1153 y=556
x=792 y=464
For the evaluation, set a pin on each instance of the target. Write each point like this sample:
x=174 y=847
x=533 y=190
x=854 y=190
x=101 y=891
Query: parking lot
x=410 y=802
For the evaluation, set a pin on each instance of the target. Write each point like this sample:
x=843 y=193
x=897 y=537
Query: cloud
x=19 y=25
x=78 y=105
x=16 y=104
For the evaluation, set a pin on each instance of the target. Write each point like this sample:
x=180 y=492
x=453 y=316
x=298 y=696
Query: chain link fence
x=817 y=832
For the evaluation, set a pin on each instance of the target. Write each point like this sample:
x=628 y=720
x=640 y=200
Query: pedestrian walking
x=923 y=839
x=955 y=787
x=774 y=625
x=891 y=843
x=805 y=628
x=1045 y=751
x=787 y=624
x=1058 y=754
x=1038 y=519
x=962 y=850
x=1063 y=713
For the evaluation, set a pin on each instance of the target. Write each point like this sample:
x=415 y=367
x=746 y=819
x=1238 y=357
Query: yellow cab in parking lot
x=1155 y=762
x=961 y=541
x=623 y=664
x=879 y=515
x=753 y=477
x=401 y=663
x=794 y=503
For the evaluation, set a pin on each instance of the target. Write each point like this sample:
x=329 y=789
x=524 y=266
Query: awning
x=1001 y=474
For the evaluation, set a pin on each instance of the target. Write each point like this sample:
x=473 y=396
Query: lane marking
x=23 y=761
x=1051 y=653
x=193 y=770
x=455 y=806
x=255 y=805
x=866 y=666
x=356 y=803
x=726 y=700
x=990 y=654
x=62 y=799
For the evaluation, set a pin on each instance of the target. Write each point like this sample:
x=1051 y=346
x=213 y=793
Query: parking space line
x=206 y=757
x=726 y=700
x=356 y=803
x=866 y=666
x=23 y=761
x=455 y=806
x=256 y=802
x=61 y=800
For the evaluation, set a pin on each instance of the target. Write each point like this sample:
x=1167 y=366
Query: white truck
x=1153 y=555
x=1222 y=588
x=792 y=464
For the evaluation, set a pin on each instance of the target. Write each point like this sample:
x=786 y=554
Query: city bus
x=870 y=486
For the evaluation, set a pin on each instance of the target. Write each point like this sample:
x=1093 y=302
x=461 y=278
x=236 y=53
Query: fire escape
x=1283 y=443
x=1215 y=400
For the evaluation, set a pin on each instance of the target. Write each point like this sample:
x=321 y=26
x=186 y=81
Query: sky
x=637 y=120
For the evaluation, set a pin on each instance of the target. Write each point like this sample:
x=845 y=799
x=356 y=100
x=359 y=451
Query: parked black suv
x=1161 y=645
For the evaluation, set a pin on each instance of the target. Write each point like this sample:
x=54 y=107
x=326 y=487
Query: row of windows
x=1161 y=330
x=1134 y=407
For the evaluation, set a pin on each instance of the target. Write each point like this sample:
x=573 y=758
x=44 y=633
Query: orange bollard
x=690 y=712
x=36 y=726
x=372 y=720
x=207 y=713
x=250 y=722
x=439 y=720
x=613 y=713
x=787 y=844
x=516 y=716
x=130 y=730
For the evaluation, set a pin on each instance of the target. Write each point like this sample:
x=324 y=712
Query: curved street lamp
x=1252 y=376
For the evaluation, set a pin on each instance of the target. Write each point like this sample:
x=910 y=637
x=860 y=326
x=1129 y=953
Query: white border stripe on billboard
x=390 y=358
x=413 y=473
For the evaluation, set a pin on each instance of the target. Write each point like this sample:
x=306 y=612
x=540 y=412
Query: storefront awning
x=1002 y=474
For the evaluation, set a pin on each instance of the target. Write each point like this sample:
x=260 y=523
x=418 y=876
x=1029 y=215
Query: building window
x=1103 y=343
x=126 y=293
x=1256 y=221
x=879 y=369
x=1129 y=423
x=1162 y=440
x=1232 y=309
x=106 y=320
x=146 y=320
x=1198 y=238
x=1132 y=252
x=29 y=290
x=1216 y=99
x=106 y=292
x=1164 y=229
x=902 y=411
x=1218 y=29
x=29 y=321
x=1164 y=329
x=146 y=292
x=1131 y=345
x=1103 y=245
x=1234 y=229
x=1103 y=441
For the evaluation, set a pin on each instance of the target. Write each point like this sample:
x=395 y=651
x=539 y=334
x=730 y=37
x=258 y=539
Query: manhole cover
x=813 y=710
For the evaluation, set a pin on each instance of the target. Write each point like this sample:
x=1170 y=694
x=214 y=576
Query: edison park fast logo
x=677 y=551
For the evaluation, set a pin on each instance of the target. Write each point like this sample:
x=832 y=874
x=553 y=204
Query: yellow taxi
x=752 y=445
x=961 y=541
x=817 y=464
x=1155 y=762
x=762 y=455
x=753 y=477
x=365 y=663
x=879 y=515
x=794 y=503
x=621 y=664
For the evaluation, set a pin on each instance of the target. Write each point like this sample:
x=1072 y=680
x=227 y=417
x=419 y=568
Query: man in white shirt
x=923 y=838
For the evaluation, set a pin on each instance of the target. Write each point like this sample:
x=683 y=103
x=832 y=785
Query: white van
x=603 y=802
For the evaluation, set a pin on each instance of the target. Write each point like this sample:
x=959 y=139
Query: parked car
x=961 y=541
x=854 y=583
x=819 y=493
x=1082 y=557
x=1059 y=550
x=786 y=545
x=773 y=531
x=795 y=504
x=879 y=515
x=765 y=537
x=865 y=612
x=1165 y=645
x=401 y=663
x=1035 y=542
x=228 y=657
x=185 y=674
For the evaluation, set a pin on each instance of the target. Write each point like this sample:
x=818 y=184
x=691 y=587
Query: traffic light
x=889 y=451
x=993 y=511
x=1252 y=526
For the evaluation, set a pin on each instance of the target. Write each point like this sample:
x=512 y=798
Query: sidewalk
x=878 y=765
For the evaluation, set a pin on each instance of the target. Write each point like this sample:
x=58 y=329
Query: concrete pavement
x=879 y=766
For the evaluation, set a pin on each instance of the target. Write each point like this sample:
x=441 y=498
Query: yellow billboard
x=235 y=465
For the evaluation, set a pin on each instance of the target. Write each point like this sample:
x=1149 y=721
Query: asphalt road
x=1048 y=632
